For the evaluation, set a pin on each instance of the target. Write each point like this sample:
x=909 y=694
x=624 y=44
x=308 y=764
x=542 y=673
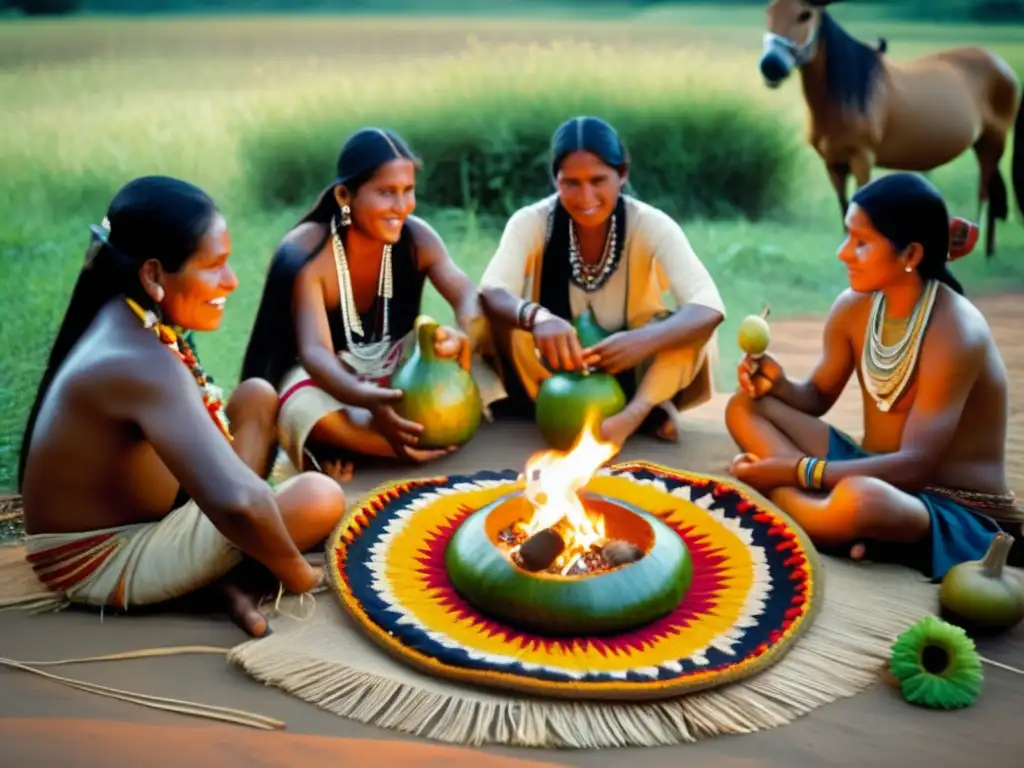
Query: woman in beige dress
x=592 y=245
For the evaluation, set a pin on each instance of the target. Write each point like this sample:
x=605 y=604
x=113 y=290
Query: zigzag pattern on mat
x=752 y=593
x=330 y=661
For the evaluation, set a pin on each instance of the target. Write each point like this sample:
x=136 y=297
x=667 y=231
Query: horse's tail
x=1017 y=167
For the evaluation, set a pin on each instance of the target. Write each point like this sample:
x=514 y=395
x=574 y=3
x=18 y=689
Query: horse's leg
x=838 y=173
x=860 y=166
x=991 y=187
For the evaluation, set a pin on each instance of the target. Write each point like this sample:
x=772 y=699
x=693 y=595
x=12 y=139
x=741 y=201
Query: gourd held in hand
x=568 y=400
x=438 y=393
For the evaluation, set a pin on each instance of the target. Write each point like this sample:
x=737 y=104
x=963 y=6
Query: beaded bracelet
x=527 y=314
x=524 y=307
x=810 y=472
x=531 y=316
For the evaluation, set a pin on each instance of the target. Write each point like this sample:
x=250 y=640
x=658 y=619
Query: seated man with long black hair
x=928 y=483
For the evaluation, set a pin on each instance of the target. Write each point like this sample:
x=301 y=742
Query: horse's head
x=791 y=31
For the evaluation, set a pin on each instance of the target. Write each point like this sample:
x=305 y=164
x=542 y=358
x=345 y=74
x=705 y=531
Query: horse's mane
x=851 y=67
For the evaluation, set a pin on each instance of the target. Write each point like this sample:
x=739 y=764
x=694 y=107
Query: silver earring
x=908 y=269
x=346 y=216
x=160 y=294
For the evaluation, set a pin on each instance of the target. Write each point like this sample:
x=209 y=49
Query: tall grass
x=483 y=122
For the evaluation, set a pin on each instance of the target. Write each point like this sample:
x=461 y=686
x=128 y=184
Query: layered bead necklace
x=368 y=360
x=887 y=369
x=591 y=277
x=213 y=397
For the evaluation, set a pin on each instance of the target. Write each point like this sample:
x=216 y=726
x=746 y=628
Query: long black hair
x=587 y=134
x=272 y=346
x=907 y=208
x=152 y=217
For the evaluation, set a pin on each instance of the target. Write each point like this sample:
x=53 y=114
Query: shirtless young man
x=930 y=475
x=136 y=489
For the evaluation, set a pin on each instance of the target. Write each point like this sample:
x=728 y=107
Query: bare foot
x=316 y=559
x=667 y=431
x=338 y=470
x=243 y=610
x=737 y=460
x=619 y=428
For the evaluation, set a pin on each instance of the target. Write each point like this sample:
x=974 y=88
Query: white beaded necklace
x=887 y=369
x=368 y=359
x=591 y=277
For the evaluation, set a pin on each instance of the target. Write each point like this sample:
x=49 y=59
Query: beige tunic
x=657 y=259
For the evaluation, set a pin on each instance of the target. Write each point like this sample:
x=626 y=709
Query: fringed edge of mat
x=841 y=655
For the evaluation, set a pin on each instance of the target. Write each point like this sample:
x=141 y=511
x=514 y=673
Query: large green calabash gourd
x=566 y=401
x=438 y=393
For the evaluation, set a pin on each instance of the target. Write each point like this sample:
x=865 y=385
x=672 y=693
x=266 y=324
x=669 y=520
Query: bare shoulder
x=122 y=371
x=848 y=312
x=849 y=302
x=147 y=370
x=423 y=233
x=308 y=236
x=959 y=324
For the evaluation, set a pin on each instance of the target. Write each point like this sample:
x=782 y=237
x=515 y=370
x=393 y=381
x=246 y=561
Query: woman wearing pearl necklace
x=593 y=246
x=337 y=313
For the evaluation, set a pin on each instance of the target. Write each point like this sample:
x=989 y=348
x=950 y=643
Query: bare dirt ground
x=42 y=723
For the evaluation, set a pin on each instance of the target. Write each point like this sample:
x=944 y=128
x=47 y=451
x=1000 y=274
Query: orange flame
x=553 y=482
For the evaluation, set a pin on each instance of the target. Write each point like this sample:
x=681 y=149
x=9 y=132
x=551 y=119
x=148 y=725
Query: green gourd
x=588 y=330
x=567 y=400
x=438 y=393
x=984 y=596
x=615 y=601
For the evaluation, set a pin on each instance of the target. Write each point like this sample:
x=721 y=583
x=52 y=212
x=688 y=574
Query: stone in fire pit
x=543 y=551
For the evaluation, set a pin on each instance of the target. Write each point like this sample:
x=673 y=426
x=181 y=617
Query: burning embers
x=562 y=536
x=550 y=550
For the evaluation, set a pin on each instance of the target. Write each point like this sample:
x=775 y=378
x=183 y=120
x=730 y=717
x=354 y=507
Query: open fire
x=562 y=536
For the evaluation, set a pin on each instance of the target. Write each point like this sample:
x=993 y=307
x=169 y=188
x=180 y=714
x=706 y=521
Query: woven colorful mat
x=754 y=590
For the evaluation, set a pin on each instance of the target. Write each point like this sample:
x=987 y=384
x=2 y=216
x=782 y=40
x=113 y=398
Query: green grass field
x=240 y=104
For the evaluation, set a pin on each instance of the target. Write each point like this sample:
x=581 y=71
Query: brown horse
x=865 y=110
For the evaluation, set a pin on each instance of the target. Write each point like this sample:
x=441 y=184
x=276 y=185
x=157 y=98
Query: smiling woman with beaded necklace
x=593 y=246
x=338 y=310
x=928 y=484
x=139 y=485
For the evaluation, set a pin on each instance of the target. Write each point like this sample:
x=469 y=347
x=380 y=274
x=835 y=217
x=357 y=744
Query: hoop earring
x=346 y=216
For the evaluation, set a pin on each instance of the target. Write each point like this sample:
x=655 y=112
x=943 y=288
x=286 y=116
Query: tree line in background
x=990 y=11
